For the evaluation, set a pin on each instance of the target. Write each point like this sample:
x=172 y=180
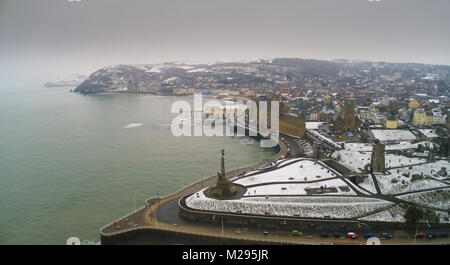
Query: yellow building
x=413 y=104
x=428 y=118
x=391 y=124
x=421 y=118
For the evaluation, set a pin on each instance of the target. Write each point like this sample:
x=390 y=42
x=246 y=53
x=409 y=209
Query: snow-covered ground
x=357 y=160
x=430 y=133
x=327 y=209
x=393 y=160
x=312 y=199
x=437 y=198
x=196 y=70
x=429 y=169
x=398 y=146
x=393 y=135
x=299 y=188
x=368 y=185
x=155 y=69
x=393 y=214
x=297 y=171
x=352 y=160
x=388 y=187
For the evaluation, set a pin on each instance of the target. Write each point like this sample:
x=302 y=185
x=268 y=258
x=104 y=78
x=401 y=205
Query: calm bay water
x=69 y=165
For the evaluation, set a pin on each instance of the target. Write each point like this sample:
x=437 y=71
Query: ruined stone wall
x=292 y=125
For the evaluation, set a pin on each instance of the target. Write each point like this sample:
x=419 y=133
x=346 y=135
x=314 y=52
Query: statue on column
x=221 y=174
x=224 y=188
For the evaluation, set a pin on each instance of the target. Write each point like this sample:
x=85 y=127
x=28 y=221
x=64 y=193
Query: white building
x=438 y=118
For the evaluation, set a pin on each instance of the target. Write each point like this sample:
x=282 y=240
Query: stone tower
x=350 y=120
x=377 y=158
x=317 y=150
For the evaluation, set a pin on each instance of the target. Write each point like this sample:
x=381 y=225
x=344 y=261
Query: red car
x=419 y=235
x=352 y=235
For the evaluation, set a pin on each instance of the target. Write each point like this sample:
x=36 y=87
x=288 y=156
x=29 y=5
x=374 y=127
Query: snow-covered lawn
x=393 y=160
x=393 y=135
x=334 y=209
x=427 y=168
x=352 y=160
x=283 y=162
x=312 y=199
x=368 y=185
x=297 y=171
x=357 y=160
x=299 y=188
x=437 y=198
x=387 y=187
x=393 y=214
x=398 y=146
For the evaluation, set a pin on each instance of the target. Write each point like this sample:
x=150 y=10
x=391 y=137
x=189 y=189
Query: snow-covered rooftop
x=393 y=135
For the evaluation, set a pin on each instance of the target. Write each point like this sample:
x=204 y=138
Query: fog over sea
x=71 y=163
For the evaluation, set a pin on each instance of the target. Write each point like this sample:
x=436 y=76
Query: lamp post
x=222 y=224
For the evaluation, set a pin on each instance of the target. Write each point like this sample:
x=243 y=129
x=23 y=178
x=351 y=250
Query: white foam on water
x=132 y=125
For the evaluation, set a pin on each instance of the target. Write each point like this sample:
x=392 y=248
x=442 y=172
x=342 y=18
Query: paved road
x=167 y=215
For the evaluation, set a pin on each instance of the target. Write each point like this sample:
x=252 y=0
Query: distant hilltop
x=69 y=81
x=183 y=77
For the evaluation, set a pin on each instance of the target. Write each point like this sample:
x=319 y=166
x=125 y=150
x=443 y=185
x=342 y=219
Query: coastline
x=142 y=215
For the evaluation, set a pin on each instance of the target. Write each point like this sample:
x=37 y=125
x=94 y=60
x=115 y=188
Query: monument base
x=230 y=191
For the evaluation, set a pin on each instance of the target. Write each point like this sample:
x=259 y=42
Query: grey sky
x=65 y=37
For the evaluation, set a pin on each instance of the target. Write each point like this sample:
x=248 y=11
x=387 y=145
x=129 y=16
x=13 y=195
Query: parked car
x=296 y=233
x=386 y=235
x=352 y=235
x=431 y=235
x=266 y=233
x=339 y=235
x=368 y=235
x=419 y=235
x=324 y=234
x=443 y=234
